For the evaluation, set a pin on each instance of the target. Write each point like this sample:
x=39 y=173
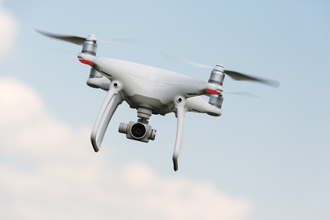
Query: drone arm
x=102 y=83
x=118 y=99
x=198 y=104
x=114 y=90
x=180 y=114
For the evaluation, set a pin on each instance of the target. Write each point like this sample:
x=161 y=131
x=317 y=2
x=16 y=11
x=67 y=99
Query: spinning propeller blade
x=64 y=52
x=232 y=74
x=243 y=77
x=72 y=39
x=80 y=40
x=245 y=94
x=124 y=41
x=170 y=57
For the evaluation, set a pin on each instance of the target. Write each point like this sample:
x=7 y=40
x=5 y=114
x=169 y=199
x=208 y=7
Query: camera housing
x=137 y=131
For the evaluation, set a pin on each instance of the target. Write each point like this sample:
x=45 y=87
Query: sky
x=266 y=157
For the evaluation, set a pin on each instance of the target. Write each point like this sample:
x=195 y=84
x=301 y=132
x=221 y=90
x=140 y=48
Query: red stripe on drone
x=87 y=62
x=212 y=92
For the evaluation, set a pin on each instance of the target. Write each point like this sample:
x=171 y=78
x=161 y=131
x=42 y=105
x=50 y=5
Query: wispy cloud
x=54 y=174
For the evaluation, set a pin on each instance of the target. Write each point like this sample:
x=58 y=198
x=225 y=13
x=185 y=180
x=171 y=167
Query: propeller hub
x=219 y=67
x=91 y=37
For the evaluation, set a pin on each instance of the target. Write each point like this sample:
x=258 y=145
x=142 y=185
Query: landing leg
x=113 y=90
x=180 y=114
x=118 y=99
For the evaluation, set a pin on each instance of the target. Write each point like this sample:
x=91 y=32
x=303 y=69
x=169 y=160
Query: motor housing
x=216 y=100
x=90 y=45
x=217 y=77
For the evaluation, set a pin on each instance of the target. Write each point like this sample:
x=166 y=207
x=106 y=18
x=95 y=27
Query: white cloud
x=8 y=30
x=53 y=173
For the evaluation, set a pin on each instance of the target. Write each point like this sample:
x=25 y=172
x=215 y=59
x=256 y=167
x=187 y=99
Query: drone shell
x=147 y=86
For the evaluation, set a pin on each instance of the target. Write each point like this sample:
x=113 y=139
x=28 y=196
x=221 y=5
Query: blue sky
x=272 y=151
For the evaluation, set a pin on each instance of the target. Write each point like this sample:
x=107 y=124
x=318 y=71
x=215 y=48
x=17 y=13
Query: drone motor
x=217 y=77
x=216 y=100
x=90 y=45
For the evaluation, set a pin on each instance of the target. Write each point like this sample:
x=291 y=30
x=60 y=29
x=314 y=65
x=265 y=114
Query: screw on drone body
x=179 y=100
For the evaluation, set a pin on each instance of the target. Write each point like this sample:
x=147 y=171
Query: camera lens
x=138 y=130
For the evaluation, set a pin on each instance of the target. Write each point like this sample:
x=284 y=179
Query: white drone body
x=157 y=90
x=150 y=90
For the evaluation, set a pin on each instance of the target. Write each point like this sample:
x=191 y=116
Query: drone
x=151 y=91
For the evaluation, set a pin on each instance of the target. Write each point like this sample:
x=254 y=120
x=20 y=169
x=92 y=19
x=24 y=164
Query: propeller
x=245 y=94
x=72 y=39
x=233 y=74
x=80 y=40
x=124 y=41
x=64 y=52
